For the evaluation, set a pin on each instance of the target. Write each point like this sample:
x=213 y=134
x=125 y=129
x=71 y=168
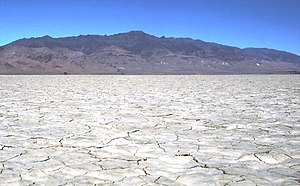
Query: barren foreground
x=150 y=130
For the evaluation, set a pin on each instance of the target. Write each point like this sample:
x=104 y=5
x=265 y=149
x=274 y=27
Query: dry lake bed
x=150 y=130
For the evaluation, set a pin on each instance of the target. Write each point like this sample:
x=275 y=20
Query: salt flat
x=150 y=130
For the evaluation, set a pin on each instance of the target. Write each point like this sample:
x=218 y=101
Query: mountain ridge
x=136 y=52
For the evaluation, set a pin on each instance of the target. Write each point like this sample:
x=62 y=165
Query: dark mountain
x=138 y=53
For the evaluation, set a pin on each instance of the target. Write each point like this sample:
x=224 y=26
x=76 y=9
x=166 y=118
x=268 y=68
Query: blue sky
x=242 y=23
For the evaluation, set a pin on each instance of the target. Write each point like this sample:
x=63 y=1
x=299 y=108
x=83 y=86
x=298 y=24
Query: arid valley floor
x=150 y=130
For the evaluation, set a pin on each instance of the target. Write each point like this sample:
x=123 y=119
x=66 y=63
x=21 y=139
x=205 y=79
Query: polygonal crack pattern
x=150 y=130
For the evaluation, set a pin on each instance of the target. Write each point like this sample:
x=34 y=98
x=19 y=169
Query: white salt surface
x=150 y=130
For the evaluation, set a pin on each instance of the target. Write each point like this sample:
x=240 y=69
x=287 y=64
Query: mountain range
x=137 y=52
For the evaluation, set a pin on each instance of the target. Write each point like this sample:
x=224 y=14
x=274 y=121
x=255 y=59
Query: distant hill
x=136 y=52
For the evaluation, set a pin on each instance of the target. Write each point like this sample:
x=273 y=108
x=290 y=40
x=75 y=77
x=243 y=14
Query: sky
x=242 y=23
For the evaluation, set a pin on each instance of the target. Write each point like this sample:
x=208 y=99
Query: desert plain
x=150 y=130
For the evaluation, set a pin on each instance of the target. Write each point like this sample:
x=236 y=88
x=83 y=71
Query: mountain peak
x=137 y=32
x=138 y=52
x=134 y=34
x=46 y=37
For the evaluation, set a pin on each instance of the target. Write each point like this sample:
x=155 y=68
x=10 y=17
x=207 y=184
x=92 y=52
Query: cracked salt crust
x=150 y=130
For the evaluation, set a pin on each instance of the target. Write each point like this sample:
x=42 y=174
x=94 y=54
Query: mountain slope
x=138 y=53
